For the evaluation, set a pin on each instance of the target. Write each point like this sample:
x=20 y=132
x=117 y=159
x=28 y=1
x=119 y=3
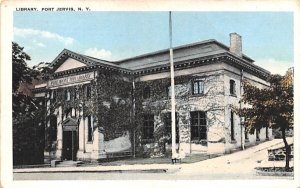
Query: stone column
x=184 y=133
x=102 y=153
x=95 y=150
x=98 y=144
x=81 y=141
x=59 y=135
x=215 y=132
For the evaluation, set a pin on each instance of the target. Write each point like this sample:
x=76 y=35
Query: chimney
x=236 y=44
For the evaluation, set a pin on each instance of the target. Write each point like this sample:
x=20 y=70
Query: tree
x=27 y=112
x=21 y=72
x=270 y=107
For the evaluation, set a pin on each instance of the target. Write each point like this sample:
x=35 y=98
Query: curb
x=100 y=171
x=138 y=170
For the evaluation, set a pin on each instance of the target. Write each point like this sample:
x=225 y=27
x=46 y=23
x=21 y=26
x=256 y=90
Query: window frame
x=146 y=92
x=88 y=90
x=232 y=87
x=199 y=116
x=200 y=87
x=67 y=95
x=76 y=93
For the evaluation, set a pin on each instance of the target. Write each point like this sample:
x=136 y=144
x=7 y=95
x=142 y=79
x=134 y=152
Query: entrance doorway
x=70 y=139
x=69 y=145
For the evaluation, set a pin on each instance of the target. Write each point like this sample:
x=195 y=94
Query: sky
x=267 y=36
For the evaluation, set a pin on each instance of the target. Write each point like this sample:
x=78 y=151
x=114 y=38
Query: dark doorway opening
x=69 y=145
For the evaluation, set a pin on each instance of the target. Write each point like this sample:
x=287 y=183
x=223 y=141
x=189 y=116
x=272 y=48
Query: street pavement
x=238 y=165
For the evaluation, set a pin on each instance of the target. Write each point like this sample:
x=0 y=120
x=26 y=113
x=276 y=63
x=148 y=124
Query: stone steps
x=68 y=163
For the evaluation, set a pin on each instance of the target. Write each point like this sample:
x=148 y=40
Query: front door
x=69 y=145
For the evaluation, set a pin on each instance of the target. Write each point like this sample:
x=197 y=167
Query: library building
x=98 y=109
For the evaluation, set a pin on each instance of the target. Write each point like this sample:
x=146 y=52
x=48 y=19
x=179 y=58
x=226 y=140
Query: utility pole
x=173 y=127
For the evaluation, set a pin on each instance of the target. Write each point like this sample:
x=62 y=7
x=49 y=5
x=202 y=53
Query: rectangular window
x=67 y=95
x=198 y=87
x=168 y=90
x=76 y=94
x=232 y=87
x=146 y=92
x=267 y=133
x=88 y=91
x=232 y=125
x=148 y=126
x=168 y=125
x=90 y=129
x=198 y=126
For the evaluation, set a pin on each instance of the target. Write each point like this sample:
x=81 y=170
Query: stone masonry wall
x=212 y=102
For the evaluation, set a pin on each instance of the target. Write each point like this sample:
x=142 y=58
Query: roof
x=188 y=52
x=82 y=58
x=178 y=48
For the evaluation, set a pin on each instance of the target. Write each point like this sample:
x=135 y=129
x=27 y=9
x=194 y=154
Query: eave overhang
x=223 y=57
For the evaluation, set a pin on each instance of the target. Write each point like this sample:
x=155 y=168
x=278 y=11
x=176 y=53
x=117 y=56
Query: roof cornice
x=226 y=57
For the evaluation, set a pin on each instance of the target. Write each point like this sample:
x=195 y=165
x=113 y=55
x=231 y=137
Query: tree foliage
x=23 y=105
x=270 y=107
x=21 y=72
x=27 y=112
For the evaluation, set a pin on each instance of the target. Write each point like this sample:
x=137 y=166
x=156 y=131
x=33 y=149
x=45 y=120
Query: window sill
x=89 y=142
x=233 y=95
x=197 y=95
x=247 y=140
x=202 y=142
x=233 y=141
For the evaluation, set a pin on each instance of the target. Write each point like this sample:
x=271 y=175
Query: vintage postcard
x=179 y=93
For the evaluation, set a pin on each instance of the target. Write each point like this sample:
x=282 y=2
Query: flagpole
x=173 y=127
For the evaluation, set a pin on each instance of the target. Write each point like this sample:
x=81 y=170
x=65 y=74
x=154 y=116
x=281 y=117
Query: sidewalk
x=238 y=165
x=214 y=165
x=99 y=168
